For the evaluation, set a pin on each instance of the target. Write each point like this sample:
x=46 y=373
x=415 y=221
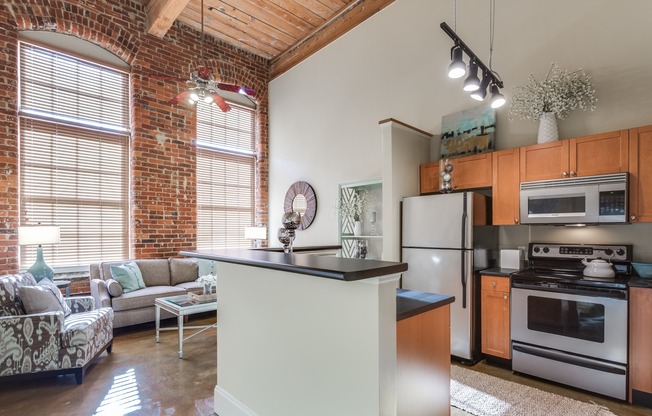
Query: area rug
x=484 y=395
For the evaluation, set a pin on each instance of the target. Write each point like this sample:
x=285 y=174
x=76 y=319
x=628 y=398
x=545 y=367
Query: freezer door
x=436 y=221
x=440 y=271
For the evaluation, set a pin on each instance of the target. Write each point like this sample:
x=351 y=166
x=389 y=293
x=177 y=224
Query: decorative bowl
x=644 y=270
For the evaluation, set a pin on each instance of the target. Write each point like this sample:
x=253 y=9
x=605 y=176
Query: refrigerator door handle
x=462 y=252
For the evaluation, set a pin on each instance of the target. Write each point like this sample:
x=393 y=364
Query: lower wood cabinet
x=423 y=348
x=640 y=345
x=495 y=302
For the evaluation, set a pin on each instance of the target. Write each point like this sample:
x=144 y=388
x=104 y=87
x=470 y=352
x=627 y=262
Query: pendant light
x=472 y=82
x=457 y=68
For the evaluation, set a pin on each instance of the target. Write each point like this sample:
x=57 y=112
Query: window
x=225 y=175
x=74 y=155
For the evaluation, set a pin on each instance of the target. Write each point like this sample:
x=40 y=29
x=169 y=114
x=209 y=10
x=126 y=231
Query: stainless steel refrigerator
x=445 y=239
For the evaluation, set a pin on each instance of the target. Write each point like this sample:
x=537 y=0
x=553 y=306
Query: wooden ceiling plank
x=352 y=16
x=161 y=15
x=274 y=16
x=336 y=5
x=311 y=11
x=259 y=30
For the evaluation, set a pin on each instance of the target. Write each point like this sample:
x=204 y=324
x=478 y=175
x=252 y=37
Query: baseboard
x=642 y=398
x=227 y=405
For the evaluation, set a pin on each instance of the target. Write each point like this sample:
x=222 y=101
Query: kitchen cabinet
x=581 y=156
x=506 y=187
x=640 y=174
x=469 y=172
x=640 y=344
x=495 y=301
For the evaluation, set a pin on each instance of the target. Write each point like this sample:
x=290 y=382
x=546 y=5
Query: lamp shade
x=255 y=233
x=38 y=234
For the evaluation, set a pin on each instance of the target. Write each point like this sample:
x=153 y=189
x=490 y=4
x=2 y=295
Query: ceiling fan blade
x=180 y=97
x=236 y=88
x=219 y=101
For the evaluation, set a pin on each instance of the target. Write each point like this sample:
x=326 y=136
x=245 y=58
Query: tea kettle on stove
x=598 y=268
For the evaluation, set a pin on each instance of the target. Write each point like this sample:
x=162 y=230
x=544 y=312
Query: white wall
x=324 y=113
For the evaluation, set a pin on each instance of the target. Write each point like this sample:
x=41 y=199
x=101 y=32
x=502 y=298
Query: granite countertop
x=497 y=271
x=636 y=281
x=330 y=267
x=412 y=302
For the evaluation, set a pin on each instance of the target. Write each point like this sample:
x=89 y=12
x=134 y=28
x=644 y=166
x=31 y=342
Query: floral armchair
x=49 y=342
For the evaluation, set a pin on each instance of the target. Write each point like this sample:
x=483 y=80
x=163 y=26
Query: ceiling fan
x=202 y=84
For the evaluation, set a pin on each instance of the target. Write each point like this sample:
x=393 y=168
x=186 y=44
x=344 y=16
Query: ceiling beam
x=161 y=14
x=346 y=20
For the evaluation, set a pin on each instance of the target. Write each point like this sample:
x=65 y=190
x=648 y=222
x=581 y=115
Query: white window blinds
x=74 y=155
x=225 y=175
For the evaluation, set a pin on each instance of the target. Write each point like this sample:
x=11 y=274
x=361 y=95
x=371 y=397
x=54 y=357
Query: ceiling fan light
x=497 y=99
x=194 y=96
x=208 y=99
x=457 y=68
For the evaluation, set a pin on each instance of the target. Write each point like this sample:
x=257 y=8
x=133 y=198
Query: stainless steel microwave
x=600 y=199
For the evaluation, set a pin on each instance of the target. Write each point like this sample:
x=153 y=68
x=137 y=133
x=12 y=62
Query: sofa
x=49 y=342
x=162 y=278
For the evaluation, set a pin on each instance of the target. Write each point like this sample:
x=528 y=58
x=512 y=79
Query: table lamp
x=29 y=235
x=257 y=234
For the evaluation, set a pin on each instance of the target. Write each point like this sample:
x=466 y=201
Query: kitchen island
x=303 y=334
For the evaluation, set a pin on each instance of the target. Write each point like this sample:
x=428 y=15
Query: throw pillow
x=44 y=297
x=127 y=277
x=136 y=270
x=114 y=288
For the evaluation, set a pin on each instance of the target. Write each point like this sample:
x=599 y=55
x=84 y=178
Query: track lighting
x=472 y=82
x=497 y=99
x=457 y=68
x=481 y=92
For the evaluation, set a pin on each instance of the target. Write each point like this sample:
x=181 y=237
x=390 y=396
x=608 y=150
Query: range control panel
x=579 y=251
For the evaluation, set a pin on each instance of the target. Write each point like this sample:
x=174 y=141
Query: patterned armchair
x=49 y=343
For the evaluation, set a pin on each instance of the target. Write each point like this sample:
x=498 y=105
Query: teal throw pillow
x=205 y=267
x=126 y=275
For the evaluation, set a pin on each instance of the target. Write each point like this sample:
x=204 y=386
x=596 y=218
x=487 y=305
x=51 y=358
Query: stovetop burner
x=562 y=263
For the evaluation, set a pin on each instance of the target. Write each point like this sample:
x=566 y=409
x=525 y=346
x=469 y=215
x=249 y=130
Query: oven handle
x=602 y=293
x=550 y=355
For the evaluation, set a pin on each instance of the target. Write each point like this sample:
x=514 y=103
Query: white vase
x=548 y=128
x=357 y=228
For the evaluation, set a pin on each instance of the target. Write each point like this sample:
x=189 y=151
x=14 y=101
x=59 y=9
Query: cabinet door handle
x=564 y=173
x=493 y=284
x=633 y=217
x=573 y=173
x=515 y=220
x=506 y=297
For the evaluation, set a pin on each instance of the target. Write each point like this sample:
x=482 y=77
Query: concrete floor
x=142 y=377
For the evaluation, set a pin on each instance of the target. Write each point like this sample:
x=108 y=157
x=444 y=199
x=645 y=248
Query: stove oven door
x=584 y=322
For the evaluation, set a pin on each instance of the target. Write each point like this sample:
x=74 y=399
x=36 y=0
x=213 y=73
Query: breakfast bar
x=306 y=334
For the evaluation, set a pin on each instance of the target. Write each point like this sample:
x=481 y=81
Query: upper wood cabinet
x=469 y=172
x=506 y=187
x=582 y=156
x=640 y=174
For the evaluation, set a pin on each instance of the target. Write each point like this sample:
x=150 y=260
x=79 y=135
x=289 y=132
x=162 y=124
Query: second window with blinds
x=225 y=175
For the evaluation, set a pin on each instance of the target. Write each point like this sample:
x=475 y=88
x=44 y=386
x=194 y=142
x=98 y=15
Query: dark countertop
x=298 y=249
x=412 y=302
x=636 y=281
x=313 y=265
x=497 y=271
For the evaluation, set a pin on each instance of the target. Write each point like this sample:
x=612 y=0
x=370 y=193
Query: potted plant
x=354 y=206
x=553 y=97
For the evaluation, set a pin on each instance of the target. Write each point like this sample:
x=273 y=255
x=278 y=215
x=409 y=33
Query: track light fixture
x=472 y=82
x=457 y=68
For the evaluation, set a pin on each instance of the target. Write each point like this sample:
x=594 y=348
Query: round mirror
x=301 y=198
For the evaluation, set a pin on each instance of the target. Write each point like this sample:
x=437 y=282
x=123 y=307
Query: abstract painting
x=468 y=132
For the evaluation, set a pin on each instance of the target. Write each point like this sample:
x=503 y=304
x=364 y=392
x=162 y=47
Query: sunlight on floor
x=489 y=401
x=122 y=398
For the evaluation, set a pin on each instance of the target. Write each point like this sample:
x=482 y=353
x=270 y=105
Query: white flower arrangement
x=356 y=205
x=209 y=279
x=559 y=93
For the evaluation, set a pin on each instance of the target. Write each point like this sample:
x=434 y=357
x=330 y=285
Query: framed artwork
x=468 y=132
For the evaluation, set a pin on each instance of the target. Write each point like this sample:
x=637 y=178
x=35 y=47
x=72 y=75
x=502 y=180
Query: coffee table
x=181 y=306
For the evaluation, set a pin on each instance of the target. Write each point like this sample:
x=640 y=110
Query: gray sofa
x=163 y=277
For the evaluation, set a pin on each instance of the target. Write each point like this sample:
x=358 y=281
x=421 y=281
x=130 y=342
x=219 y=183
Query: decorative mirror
x=301 y=198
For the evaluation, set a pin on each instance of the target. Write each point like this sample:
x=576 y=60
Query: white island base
x=292 y=344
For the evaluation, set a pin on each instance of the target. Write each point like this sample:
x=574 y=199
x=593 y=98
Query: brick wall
x=162 y=153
